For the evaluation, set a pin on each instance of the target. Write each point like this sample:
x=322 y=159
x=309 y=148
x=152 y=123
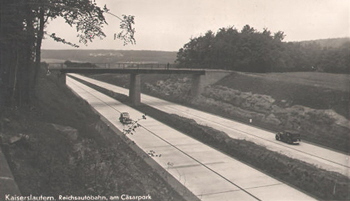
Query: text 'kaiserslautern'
x=9 y=197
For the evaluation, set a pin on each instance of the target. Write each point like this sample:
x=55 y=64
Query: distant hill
x=109 y=56
x=149 y=56
x=331 y=42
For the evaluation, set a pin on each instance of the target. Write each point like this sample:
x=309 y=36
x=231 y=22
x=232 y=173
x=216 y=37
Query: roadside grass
x=322 y=184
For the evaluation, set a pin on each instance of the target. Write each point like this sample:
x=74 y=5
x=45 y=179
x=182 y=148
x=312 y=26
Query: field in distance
x=108 y=56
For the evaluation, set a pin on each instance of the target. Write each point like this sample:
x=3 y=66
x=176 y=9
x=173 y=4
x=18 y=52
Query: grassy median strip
x=322 y=184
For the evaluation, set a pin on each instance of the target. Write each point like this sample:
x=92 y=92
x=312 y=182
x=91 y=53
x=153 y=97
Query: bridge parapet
x=132 y=71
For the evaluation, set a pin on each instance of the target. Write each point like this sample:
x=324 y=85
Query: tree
x=23 y=25
x=279 y=36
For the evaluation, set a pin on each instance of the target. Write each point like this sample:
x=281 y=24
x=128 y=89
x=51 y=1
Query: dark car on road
x=289 y=137
x=125 y=118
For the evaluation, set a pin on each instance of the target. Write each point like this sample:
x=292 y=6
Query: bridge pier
x=135 y=89
x=197 y=85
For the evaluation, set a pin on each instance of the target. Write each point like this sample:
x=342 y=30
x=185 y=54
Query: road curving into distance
x=320 y=156
x=206 y=172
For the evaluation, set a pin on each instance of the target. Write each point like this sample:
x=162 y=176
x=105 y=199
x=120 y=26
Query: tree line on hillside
x=22 y=30
x=71 y=64
x=249 y=50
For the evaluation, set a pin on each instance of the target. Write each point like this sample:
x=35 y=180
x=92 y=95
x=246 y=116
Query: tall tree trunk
x=29 y=70
x=17 y=41
x=5 y=54
x=11 y=51
x=14 y=90
x=39 y=39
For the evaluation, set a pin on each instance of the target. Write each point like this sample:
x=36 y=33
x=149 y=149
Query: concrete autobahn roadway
x=206 y=172
x=320 y=156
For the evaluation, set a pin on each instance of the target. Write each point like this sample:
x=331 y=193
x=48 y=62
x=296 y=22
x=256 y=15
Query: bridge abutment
x=135 y=89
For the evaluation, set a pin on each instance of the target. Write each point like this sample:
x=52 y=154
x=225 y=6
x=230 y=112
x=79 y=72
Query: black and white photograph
x=174 y=100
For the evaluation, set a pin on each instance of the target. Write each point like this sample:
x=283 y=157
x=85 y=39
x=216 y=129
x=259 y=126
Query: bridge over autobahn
x=198 y=76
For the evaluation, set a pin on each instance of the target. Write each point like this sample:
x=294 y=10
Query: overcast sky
x=169 y=24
